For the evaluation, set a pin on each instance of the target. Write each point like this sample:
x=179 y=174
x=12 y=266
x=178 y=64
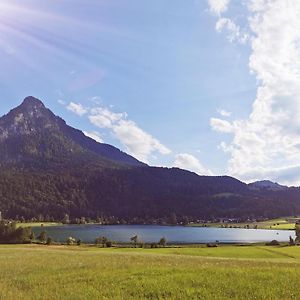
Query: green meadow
x=287 y=223
x=39 y=224
x=284 y=223
x=86 y=272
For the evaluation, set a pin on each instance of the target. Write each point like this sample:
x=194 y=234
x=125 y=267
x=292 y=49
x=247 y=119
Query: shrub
x=70 y=240
x=32 y=237
x=49 y=241
x=292 y=242
x=162 y=242
x=108 y=244
x=134 y=240
x=209 y=245
x=273 y=243
x=101 y=240
x=42 y=237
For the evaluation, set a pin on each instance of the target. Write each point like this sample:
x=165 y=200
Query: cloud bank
x=267 y=143
x=137 y=142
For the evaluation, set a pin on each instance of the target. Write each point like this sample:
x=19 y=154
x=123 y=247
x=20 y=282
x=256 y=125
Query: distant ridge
x=267 y=185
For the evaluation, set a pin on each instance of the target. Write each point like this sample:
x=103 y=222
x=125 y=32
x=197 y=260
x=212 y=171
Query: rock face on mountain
x=267 y=185
x=48 y=168
x=32 y=131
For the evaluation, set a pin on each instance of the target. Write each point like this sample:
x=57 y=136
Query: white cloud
x=224 y=113
x=267 y=143
x=218 y=7
x=104 y=117
x=76 y=108
x=95 y=135
x=189 y=162
x=136 y=141
x=221 y=125
x=234 y=32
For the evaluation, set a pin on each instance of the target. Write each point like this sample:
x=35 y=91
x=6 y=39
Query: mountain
x=49 y=169
x=267 y=185
x=31 y=131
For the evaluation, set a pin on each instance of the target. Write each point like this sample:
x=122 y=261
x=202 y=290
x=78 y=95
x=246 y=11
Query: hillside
x=51 y=169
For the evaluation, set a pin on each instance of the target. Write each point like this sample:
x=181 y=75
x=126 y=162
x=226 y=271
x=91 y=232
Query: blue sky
x=175 y=83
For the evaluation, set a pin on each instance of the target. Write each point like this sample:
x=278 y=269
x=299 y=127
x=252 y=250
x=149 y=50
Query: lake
x=173 y=234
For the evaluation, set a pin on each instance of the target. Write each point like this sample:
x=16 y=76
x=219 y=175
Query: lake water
x=173 y=234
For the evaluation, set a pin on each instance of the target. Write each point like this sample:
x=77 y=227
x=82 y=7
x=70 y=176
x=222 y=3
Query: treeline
x=100 y=241
x=11 y=234
x=135 y=195
x=109 y=220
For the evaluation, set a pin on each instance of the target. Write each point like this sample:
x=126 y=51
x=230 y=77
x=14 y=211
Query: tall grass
x=61 y=272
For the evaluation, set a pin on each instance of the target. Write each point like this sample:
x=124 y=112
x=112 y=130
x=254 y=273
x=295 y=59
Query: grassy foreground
x=227 y=272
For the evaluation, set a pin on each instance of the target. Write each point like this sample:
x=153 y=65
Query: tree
x=49 y=241
x=66 y=219
x=32 y=236
x=102 y=240
x=42 y=237
x=291 y=242
x=173 y=219
x=297 y=228
x=108 y=244
x=70 y=240
x=162 y=242
x=185 y=220
x=134 y=240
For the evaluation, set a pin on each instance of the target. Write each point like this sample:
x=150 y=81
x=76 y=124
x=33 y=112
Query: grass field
x=226 y=272
x=38 y=224
x=287 y=223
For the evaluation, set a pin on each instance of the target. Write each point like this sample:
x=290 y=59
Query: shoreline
x=252 y=226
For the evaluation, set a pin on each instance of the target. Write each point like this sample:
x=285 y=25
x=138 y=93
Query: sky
x=212 y=86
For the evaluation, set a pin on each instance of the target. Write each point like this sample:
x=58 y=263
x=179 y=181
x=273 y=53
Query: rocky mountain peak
x=29 y=117
x=31 y=129
x=32 y=102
